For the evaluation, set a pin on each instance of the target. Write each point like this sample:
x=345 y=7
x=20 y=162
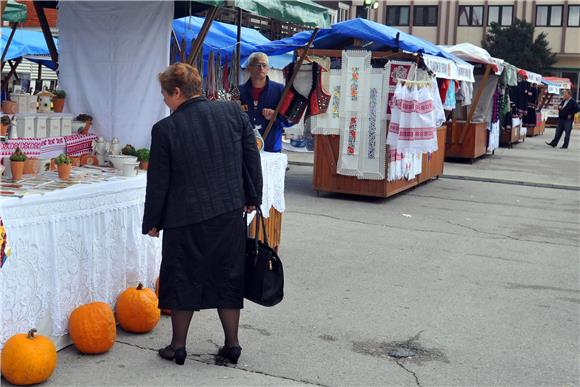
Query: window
x=425 y=15
x=470 y=15
x=500 y=14
x=574 y=16
x=398 y=16
x=343 y=12
x=549 y=15
x=362 y=11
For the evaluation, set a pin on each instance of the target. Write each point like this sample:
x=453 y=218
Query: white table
x=84 y=244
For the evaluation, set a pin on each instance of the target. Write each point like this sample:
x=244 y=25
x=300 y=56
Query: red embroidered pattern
x=411 y=134
x=352 y=133
x=412 y=106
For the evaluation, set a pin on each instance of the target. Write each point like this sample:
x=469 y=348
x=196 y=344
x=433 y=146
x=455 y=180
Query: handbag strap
x=259 y=219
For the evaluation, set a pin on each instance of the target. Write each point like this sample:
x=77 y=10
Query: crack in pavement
x=200 y=359
x=409 y=371
x=498 y=236
x=505 y=236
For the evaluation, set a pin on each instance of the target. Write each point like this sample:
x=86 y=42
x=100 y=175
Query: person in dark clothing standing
x=259 y=97
x=568 y=107
x=204 y=172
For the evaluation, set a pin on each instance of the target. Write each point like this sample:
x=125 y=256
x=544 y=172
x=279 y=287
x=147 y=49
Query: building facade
x=451 y=22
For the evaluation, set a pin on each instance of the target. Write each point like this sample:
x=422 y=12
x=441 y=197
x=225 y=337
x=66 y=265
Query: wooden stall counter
x=466 y=141
x=326 y=179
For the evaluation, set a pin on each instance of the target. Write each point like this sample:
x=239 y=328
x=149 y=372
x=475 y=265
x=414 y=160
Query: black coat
x=571 y=108
x=204 y=162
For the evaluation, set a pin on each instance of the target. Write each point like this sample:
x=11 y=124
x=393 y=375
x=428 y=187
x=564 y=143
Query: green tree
x=516 y=45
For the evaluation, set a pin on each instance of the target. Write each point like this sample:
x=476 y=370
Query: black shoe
x=563 y=147
x=168 y=353
x=230 y=353
x=549 y=143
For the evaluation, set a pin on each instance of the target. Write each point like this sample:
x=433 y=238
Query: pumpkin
x=92 y=328
x=28 y=358
x=163 y=311
x=137 y=310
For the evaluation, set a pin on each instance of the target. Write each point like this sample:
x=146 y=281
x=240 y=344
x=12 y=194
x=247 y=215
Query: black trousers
x=564 y=126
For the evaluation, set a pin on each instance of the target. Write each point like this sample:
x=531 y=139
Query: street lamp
x=370 y=4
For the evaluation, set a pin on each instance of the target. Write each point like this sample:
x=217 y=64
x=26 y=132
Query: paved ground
x=479 y=279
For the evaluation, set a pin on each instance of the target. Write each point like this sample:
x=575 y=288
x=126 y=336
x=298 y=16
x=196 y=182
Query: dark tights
x=180 y=320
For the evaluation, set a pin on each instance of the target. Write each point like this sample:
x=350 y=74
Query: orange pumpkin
x=163 y=311
x=28 y=358
x=92 y=328
x=137 y=310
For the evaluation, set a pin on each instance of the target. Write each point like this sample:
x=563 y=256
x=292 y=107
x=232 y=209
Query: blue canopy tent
x=222 y=38
x=378 y=37
x=26 y=43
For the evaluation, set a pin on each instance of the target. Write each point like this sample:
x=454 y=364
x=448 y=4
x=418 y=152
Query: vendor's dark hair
x=181 y=75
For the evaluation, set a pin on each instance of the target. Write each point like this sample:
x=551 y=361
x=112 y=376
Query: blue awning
x=25 y=43
x=376 y=36
x=222 y=38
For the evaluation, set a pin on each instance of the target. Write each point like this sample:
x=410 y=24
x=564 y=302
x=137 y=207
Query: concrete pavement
x=478 y=279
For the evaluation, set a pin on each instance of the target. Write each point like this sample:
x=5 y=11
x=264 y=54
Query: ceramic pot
x=144 y=165
x=64 y=171
x=17 y=168
x=9 y=107
x=4 y=130
x=58 y=104
x=31 y=166
x=76 y=161
x=129 y=169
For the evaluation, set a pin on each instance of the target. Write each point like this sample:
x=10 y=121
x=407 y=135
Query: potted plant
x=143 y=157
x=31 y=166
x=129 y=150
x=64 y=166
x=88 y=120
x=5 y=121
x=58 y=100
x=17 y=160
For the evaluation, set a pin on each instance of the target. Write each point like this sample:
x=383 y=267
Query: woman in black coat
x=204 y=172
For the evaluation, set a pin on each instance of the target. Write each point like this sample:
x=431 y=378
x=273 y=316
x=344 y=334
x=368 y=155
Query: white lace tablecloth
x=84 y=244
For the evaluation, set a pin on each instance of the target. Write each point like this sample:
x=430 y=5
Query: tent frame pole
x=238 y=44
x=46 y=31
x=290 y=82
x=202 y=34
x=14 y=26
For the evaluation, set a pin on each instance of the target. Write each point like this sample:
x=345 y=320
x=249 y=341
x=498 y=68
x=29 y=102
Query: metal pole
x=8 y=42
x=201 y=36
x=238 y=46
x=46 y=31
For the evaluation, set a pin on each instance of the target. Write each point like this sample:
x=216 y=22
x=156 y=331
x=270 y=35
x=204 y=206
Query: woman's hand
x=153 y=233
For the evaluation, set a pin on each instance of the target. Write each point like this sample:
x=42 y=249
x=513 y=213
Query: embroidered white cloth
x=412 y=128
x=493 y=143
x=395 y=70
x=405 y=166
x=329 y=122
x=354 y=92
x=373 y=137
x=84 y=244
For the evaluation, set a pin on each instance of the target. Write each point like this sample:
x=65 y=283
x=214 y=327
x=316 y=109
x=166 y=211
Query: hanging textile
x=412 y=127
x=394 y=71
x=373 y=135
x=493 y=143
x=450 y=101
x=354 y=87
x=404 y=165
x=329 y=122
x=467 y=92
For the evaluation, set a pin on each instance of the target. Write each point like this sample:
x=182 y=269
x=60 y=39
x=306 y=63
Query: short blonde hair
x=254 y=57
x=183 y=76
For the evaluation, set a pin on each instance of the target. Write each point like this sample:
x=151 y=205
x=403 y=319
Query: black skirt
x=203 y=264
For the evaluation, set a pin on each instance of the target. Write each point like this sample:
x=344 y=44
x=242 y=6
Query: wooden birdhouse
x=44 y=101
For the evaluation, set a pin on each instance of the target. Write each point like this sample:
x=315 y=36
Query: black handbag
x=264 y=281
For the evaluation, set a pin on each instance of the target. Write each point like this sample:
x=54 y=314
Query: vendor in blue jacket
x=259 y=97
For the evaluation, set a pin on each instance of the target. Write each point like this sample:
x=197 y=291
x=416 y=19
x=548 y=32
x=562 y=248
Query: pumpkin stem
x=31 y=334
x=140 y=286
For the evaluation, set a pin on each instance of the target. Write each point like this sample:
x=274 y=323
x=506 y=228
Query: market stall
x=87 y=243
x=532 y=120
x=353 y=153
x=472 y=132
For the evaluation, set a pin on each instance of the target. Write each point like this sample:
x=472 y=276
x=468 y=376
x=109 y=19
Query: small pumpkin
x=137 y=310
x=28 y=358
x=163 y=311
x=92 y=328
